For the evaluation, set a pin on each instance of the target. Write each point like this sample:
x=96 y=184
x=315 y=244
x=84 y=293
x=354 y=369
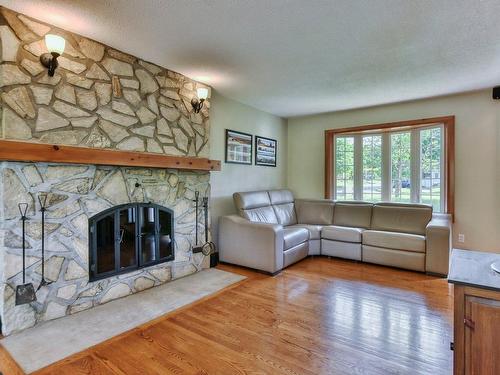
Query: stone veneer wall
x=76 y=193
x=100 y=98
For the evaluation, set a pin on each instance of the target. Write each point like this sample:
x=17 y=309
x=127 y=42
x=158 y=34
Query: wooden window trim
x=449 y=139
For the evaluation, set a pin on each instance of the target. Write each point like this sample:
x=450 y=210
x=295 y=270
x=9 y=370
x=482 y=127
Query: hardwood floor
x=7 y=365
x=320 y=316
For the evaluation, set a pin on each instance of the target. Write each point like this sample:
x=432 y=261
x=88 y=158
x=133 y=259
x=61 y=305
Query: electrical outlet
x=461 y=237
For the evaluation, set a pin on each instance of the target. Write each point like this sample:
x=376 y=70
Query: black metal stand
x=43 y=202
x=196 y=247
x=25 y=293
x=208 y=247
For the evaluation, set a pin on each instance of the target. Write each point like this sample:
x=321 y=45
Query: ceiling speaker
x=496 y=92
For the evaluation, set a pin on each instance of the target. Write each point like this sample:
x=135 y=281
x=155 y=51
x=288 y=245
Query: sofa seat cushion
x=344 y=234
x=294 y=236
x=314 y=230
x=394 y=240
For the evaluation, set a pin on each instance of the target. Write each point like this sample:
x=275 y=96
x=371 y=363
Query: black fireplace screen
x=128 y=237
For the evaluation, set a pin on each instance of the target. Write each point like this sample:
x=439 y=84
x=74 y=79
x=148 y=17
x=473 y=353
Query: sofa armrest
x=250 y=244
x=438 y=244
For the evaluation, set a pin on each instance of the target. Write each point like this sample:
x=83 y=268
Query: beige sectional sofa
x=274 y=230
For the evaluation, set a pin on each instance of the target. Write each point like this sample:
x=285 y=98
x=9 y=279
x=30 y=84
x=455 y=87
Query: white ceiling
x=297 y=57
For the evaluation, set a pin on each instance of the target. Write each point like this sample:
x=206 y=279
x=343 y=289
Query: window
x=129 y=237
x=399 y=162
x=344 y=167
x=372 y=168
x=400 y=167
x=430 y=166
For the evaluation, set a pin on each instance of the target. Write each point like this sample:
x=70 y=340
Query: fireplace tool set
x=208 y=247
x=42 y=199
x=25 y=293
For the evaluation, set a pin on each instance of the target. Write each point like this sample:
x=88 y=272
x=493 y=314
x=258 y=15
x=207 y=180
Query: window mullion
x=333 y=194
x=358 y=167
x=442 y=174
x=415 y=166
x=386 y=167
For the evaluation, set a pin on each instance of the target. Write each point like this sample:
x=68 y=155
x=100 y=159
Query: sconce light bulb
x=55 y=43
x=202 y=93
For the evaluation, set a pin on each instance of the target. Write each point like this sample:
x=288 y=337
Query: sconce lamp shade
x=55 y=43
x=202 y=93
x=198 y=101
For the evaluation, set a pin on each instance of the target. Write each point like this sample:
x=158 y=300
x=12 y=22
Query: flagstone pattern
x=45 y=109
x=98 y=98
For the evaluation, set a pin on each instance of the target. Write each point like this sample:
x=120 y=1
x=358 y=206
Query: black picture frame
x=269 y=157
x=231 y=154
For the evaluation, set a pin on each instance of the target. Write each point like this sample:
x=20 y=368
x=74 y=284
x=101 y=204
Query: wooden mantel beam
x=38 y=152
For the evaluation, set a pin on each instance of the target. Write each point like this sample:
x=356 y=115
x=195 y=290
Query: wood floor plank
x=7 y=364
x=320 y=316
x=87 y=365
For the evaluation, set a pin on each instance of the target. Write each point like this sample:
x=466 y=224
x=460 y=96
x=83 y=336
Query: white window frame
x=415 y=164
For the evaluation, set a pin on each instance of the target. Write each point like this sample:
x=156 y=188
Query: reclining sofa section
x=273 y=230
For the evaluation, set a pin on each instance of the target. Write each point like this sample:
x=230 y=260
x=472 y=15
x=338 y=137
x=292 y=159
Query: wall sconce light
x=197 y=102
x=55 y=44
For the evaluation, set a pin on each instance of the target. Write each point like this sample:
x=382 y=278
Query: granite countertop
x=473 y=268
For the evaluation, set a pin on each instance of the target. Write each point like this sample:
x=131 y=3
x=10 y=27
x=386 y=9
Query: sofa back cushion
x=255 y=206
x=314 y=211
x=284 y=206
x=352 y=214
x=400 y=217
x=261 y=215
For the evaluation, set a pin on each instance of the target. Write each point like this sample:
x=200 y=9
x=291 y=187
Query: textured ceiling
x=297 y=57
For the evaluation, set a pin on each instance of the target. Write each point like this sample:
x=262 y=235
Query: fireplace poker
x=42 y=198
x=196 y=200
x=208 y=247
x=25 y=293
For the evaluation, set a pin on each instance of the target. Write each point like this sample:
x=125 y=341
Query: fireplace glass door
x=148 y=235
x=129 y=237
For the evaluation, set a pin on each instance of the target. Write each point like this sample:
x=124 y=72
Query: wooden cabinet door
x=482 y=336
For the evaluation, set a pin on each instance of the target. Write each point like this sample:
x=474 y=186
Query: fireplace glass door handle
x=122 y=232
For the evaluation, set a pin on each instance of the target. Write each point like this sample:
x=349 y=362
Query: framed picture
x=265 y=151
x=238 y=147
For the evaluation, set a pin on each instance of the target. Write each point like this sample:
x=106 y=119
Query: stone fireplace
x=77 y=193
x=99 y=98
